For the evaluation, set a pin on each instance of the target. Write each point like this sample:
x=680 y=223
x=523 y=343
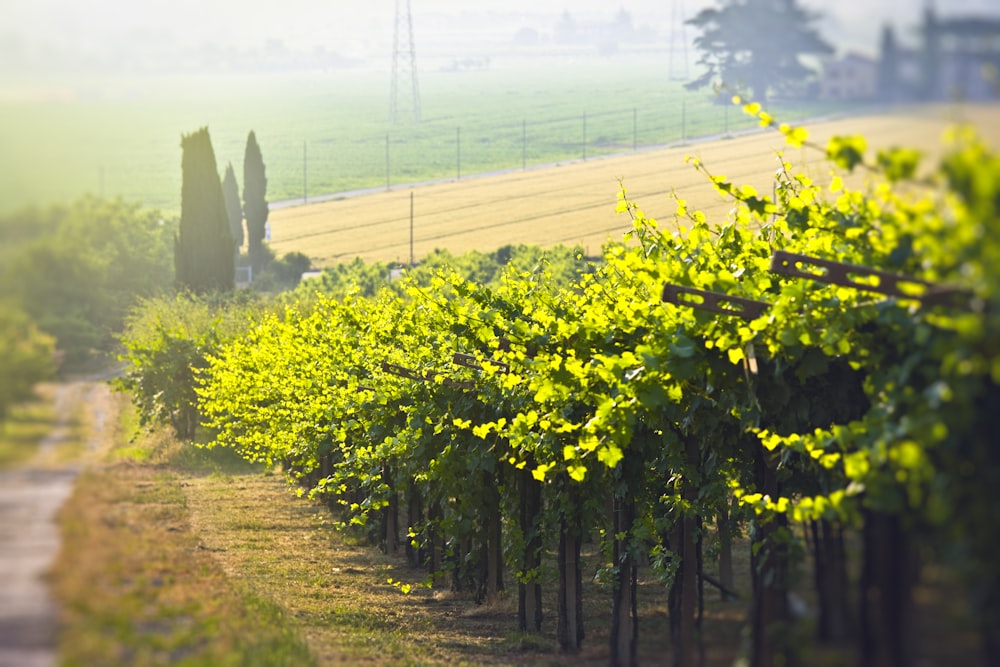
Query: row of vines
x=825 y=362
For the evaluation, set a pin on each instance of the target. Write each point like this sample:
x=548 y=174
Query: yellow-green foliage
x=27 y=356
x=600 y=389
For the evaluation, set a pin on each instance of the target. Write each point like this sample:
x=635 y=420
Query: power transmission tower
x=404 y=99
x=677 y=19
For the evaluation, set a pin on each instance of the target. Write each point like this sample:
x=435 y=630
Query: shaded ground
x=172 y=554
x=30 y=497
x=336 y=590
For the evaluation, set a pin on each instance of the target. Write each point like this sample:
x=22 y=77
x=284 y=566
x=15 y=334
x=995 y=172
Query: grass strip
x=137 y=587
x=336 y=589
x=174 y=555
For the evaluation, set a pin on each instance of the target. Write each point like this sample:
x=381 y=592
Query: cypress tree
x=255 y=201
x=234 y=208
x=203 y=248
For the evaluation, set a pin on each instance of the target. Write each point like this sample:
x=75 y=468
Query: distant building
x=853 y=77
x=244 y=276
x=958 y=58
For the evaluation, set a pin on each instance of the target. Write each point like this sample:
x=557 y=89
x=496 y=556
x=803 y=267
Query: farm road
x=30 y=498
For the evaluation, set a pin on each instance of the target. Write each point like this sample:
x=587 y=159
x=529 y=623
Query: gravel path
x=30 y=498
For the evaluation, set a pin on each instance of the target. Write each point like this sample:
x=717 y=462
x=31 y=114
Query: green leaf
x=682 y=346
x=539 y=472
x=856 y=465
x=846 y=152
x=610 y=455
x=795 y=137
x=898 y=163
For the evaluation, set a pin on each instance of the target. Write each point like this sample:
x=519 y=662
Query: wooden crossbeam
x=868 y=280
x=402 y=371
x=465 y=385
x=469 y=361
x=715 y=302
x=410 y=374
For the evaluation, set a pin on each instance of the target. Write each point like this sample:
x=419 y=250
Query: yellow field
x=574 y=203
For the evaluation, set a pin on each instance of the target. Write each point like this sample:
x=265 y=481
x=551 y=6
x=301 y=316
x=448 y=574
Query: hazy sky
x=362 y=28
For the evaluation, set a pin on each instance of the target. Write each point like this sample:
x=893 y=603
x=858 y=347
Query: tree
x=203 y=250
x=166 y=341
x=27 y=356
x=77 y=268
x=755 y=45
x=234 y=209
x=255 y=200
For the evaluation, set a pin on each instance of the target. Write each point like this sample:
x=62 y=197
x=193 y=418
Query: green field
x=324 y=133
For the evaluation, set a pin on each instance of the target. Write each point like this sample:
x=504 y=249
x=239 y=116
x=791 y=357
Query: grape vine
x=826 y=357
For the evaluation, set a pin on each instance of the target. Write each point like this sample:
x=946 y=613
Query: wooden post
x=770 y=618
x=569 y=628
x=435 y=559
x=888 y=573
x=624 y=611
x=830 y=572
x=415 y=515
x=529 y=592
x=493 y=540
x=725 y=550
x=391 y=515
x=684 y=594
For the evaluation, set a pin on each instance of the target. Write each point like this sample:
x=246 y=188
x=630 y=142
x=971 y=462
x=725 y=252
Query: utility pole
x=524 y=144
x=404 y=97
x=635 y=129
x=678 y=37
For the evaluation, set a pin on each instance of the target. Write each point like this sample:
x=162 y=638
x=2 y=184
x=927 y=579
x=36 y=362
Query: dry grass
x=574 y=203
x=137 y=587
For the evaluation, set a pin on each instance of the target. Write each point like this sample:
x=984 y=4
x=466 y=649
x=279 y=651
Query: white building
x=852 y=77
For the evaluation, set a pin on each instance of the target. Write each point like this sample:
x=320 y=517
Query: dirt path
x=30 y=497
